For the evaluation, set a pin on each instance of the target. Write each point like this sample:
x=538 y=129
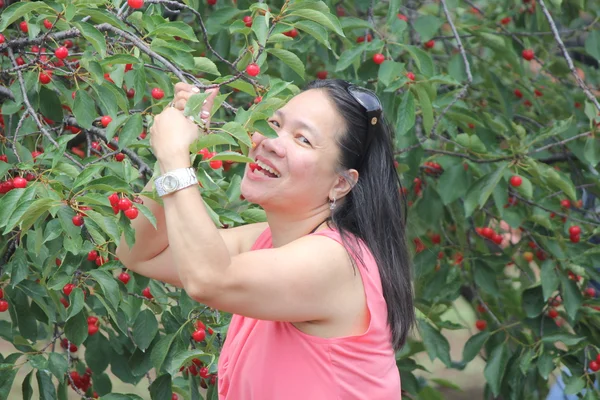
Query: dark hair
x=372 y=211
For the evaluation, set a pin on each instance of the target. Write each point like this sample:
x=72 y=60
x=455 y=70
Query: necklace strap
x=317 y=227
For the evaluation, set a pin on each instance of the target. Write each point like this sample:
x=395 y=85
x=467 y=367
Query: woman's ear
x=344 y=184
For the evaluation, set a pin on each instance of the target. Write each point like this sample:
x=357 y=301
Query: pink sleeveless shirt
x=273 y=360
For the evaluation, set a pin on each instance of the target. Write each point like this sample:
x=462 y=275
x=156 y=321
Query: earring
x=332 y=204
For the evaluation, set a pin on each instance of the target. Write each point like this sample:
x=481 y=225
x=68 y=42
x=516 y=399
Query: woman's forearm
x=149 y=242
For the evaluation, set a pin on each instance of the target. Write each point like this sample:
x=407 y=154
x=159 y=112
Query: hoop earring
x=332 y=204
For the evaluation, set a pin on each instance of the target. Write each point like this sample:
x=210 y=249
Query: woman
x=321 y=293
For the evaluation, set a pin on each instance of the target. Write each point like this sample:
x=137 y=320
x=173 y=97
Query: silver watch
x=175 y=180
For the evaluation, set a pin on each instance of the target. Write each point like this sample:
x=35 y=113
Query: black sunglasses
x=370 y=102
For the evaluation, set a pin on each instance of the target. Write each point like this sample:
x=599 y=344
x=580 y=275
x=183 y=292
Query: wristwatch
x=175 y=180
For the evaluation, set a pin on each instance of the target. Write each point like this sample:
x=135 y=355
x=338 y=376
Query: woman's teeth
x=265 y=167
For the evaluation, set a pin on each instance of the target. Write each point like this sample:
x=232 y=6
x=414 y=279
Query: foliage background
x=460 y=115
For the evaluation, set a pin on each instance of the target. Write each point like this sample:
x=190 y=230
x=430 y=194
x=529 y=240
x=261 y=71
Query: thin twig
x=580 y=81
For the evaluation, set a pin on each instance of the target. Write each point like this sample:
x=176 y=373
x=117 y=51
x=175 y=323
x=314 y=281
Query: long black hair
x=375 y=209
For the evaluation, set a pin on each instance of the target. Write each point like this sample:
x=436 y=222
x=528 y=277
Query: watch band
x=175 y=180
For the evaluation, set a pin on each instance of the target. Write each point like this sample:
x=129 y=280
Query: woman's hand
x=172 y=133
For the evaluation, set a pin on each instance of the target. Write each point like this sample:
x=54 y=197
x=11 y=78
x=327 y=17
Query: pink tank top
x=273 y=360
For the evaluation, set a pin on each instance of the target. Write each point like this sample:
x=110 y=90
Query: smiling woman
x=321 y=294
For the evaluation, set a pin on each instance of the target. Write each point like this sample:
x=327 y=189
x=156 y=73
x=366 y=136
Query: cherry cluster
x=17 y=182
x=124 y=204
x=3 y=303
x=82 y=382
x=432 y=168
x=490 y=234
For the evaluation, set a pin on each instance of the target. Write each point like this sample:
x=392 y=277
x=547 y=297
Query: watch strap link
x=175 y=180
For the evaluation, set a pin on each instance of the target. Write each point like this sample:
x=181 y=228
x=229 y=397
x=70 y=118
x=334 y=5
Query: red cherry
x=481 y=324
x=402 y=17
x=92 y=329
x=2 y=38
x=92 y=255
x=247 y=21
x=291 y=33
x=410 y=75
x=537 y=93
x=516 y=180
x=598 y=358
x=429 y=44
x=481 y=308
x=257 y=99
x=552 y=313
x=205 y=153
x=590 y=292
x=216 y=164
x=105 y=120
x=203 y=372
x=58 y=262
x=200 y=325
x=361 y=39
x=528 y=54
x=378 y=58
x=45 y=77
x=130 y=93
x=124 y=277
x=518 y=93
x=575 y=238
x=436 y=238
x=565 y=203
x=487 y=232
x=505 y=21
x=91 y=320
x=78 y=220
x=135 y=4
x=99 y=261
x=61 y=53
x=114 y=199
x=199 y=335
x=4 y=157
x=20 y=61
x=497 y=238
x=64 y=302
x=574 y=230
x=131 y=213
x=23 y=26
x=124 y=204
x=19 y=182
x=211 y=2
x=47 y=24
x=1 y=293
x=146 y=293
x=157 y=93
x=3 y=305
x=253 y=69
x=68 y=44
x=322 y=75
x=119 y=157
x=595 y=366
x=96 y=146
x=68 y=288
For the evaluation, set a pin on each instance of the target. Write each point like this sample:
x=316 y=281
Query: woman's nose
x=273 y=145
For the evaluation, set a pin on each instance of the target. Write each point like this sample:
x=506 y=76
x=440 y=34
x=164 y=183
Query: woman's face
x=304 y=156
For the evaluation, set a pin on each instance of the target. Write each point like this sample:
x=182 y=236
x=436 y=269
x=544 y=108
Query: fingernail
x=204 y=102
x=203 y=121
x=195 y=90
x=204 y=112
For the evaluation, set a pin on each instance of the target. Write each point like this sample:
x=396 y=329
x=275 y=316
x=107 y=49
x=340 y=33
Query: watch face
x=170 y=183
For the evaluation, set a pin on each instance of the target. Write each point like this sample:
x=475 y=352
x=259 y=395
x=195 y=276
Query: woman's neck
x=285 y=227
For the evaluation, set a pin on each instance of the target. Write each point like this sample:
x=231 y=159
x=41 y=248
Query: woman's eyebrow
x=301 y=124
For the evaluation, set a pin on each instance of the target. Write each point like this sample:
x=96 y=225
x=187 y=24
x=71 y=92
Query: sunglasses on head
x=370 y=102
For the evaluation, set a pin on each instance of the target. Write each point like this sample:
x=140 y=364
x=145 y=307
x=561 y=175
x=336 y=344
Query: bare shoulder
x=241 y=238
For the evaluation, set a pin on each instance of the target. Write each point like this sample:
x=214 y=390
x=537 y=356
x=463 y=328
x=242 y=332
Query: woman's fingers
x=208 y=105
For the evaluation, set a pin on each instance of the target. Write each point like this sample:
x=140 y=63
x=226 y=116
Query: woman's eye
x=273 y=122
x=304 y=139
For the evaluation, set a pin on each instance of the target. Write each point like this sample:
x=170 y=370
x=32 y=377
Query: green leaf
x=289 y=59
x=453 y=184
x=26 y=387
x=327 y=21
x=473 y=346
x=194 y=105
x=177 y=28
x=109 y=286
x=571 y=296
x=436 y=344
x=426 y=108
x=427 y=26
x=591 y=150
x=76 y=329
x=76 y=302
x=471 y=142
x=160 y=351
x=132 y=128
x=406 y=114
x=260 y=26
x=161 y=388
x=533 y=301
x=549 y=279
x=47 y=390
x=348 y=57
x=93 y=36
x=422 y=60
x=574 y=385
x=232 y=156
x=145 y=328
x=184 y=358
x=50 y=104
x=592 y=44
x=17 y=10
x=110 y=184
x=264 y=128
x=315 y=30
x=57 y=364
x=204 y=64
x=87 y=174
x=84 y=109
x=389 y=70
x=496 y=366
x=567 y=339
x=237 y=131
x=526 y=189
